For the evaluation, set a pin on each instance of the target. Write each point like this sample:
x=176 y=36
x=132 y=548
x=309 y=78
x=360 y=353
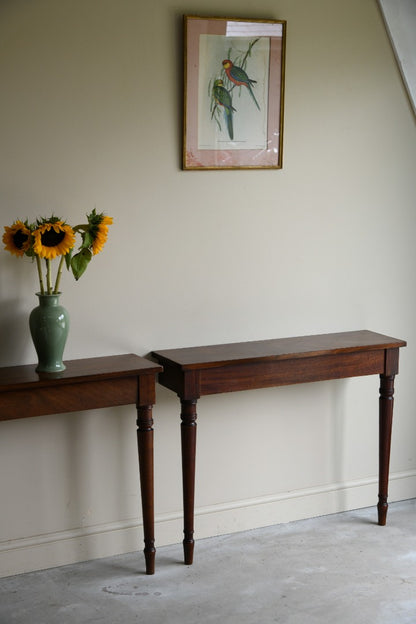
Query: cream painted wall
x=91 y=117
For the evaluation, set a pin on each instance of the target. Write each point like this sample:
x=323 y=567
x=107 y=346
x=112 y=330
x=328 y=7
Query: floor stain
x=118 y=591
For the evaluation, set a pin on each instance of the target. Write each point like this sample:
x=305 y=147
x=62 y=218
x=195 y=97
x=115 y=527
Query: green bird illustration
x=223 y=98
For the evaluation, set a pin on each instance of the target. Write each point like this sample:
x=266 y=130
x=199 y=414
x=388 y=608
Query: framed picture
x=234 y=86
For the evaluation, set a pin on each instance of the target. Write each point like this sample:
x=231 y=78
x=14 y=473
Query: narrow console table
x=92 y=384
x=197 y=371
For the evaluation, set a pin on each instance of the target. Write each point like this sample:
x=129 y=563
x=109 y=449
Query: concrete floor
x=335 y=569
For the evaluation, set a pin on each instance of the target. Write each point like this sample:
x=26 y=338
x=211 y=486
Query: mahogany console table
x=92 y=384
x=197 y=371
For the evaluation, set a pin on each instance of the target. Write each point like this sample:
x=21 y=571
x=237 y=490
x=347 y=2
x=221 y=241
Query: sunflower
x=98 y=230
x=48 y=238
x=53 y=238
x=17 y=238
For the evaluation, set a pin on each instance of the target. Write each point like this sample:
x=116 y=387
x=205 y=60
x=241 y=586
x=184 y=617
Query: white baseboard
x=86 y=543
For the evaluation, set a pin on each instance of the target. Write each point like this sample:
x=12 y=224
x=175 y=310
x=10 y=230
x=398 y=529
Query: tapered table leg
x=188 y=439
x=386 y=420
x=145 y=448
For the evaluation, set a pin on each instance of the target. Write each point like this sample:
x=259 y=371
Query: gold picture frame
x=234 y=72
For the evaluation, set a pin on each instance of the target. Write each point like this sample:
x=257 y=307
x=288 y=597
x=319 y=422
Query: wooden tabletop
x=106 y=367
x=277 y=349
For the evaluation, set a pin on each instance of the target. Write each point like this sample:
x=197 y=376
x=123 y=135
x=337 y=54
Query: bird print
x=238 y=76
x=223 y=98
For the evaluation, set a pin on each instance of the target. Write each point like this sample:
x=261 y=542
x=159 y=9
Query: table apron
x=249 y=376
x=57 y=399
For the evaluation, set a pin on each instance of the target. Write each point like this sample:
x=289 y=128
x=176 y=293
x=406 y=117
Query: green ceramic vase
x=49 y=325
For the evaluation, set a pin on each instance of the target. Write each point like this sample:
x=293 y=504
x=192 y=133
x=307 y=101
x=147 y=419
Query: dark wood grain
x=193 y=372
x=93 y=383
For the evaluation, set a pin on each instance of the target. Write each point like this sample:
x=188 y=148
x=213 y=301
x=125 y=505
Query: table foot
x=382 y=508
x=188 y=551
x=149 y=555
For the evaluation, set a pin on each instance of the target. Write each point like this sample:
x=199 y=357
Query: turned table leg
x=385 y=424
x=145 y=448
x=188 y=439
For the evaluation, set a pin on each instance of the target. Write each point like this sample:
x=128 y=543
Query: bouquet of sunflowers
x=47 y=239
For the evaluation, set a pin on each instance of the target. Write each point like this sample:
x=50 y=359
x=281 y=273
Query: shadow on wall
x=14 y=333
x=338 y=398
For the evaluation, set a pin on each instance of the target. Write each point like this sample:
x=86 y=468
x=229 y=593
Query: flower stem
x=48 y=276
x=58 y=275
x=38 y=264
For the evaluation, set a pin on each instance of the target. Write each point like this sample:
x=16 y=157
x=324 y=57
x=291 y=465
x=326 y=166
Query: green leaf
x=87 y=239
x=68 y=259
x=80 y=262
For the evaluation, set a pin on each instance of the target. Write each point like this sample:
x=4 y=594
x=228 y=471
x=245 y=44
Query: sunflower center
x=19 y=239
x=50 y=238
